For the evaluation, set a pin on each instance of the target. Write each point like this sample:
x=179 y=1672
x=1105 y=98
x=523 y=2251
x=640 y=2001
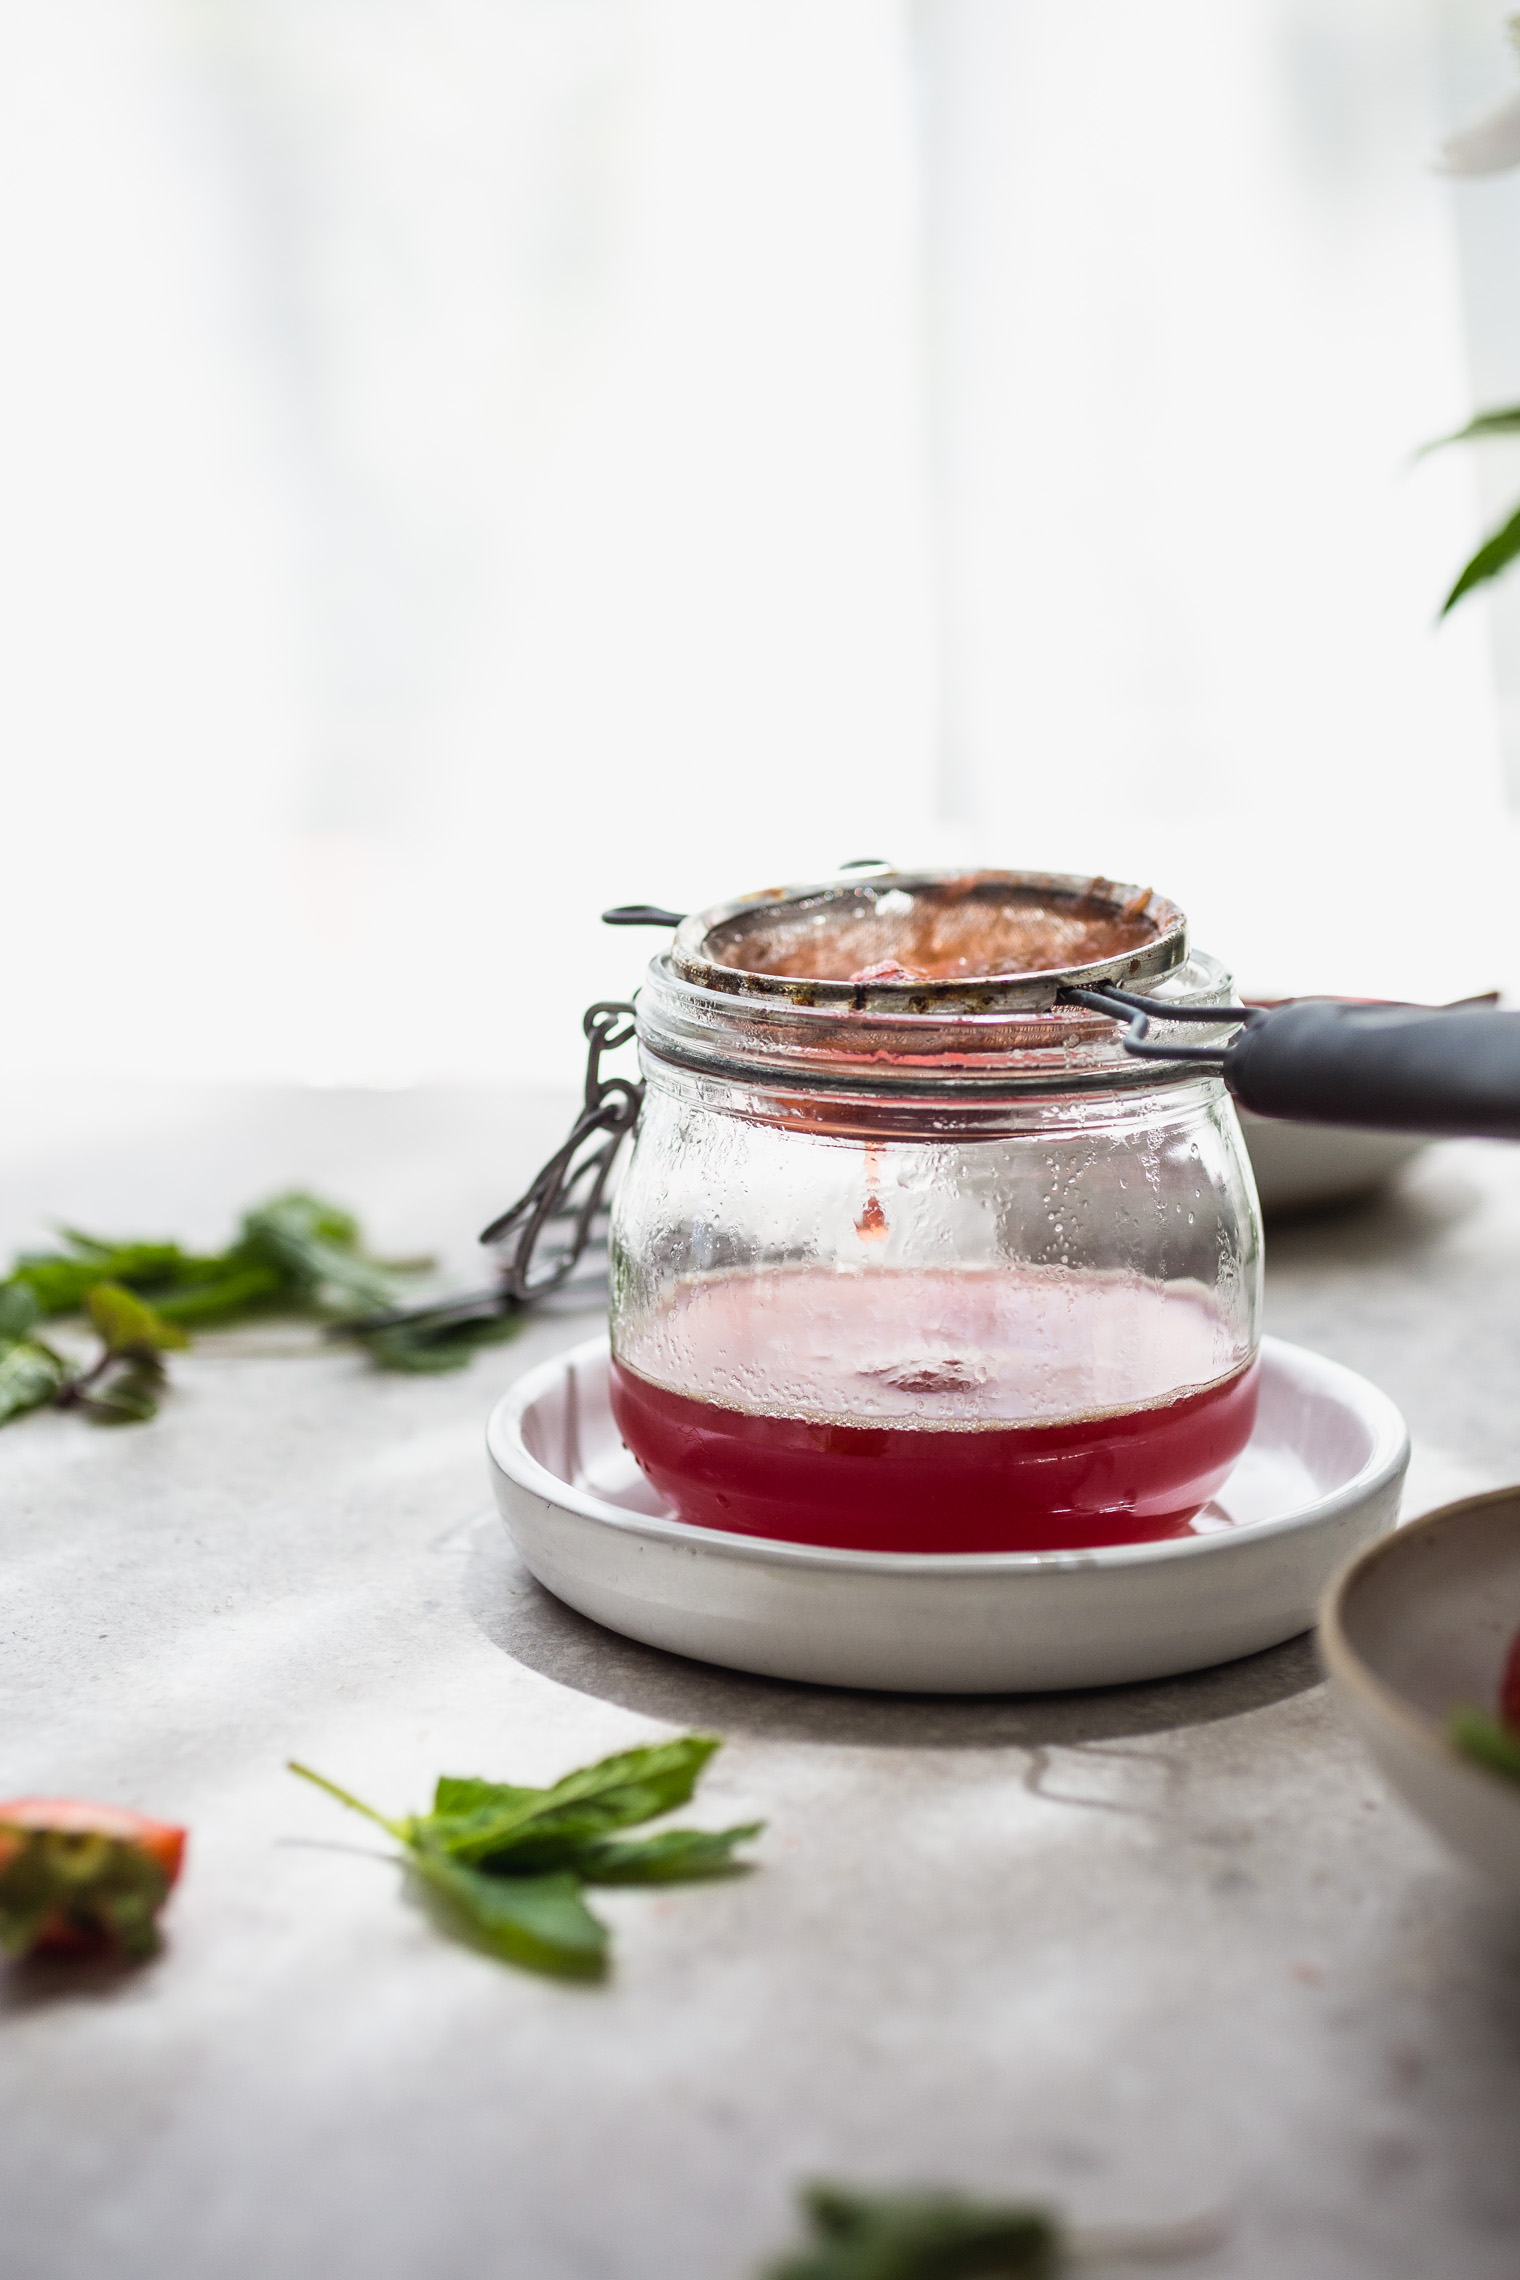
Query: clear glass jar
x=936 y=1281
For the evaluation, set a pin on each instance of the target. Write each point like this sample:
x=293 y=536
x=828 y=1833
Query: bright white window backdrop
x=466 y=462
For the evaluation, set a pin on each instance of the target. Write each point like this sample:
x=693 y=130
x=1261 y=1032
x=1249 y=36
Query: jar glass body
x=915 y=1319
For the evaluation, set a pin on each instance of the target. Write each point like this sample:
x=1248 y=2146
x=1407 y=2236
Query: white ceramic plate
x=1320 y=1479
x=1416 y=1628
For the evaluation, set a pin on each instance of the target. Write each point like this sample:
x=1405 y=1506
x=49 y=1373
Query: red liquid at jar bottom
x=1125 y=1474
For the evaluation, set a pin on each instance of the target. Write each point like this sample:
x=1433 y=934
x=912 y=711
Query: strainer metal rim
x=985 y=994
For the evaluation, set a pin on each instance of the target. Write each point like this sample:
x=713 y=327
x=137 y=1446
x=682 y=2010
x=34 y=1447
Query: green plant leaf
x=126 y=1393
x=509 y=1861
x=221 y=1298
x=921 y=2236
x=315 y=1246
x=19 y=1310
x=1504 y=421
x=1493 y=556
x=540 y=1921
x=547 y=1826
x=455 y=1797
x=433 y=1339
x=30 y=1375
x=1486 y=1740
x=127 y=1324
x=675 y=1856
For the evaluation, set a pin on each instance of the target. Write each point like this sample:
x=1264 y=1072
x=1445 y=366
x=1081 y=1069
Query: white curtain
x=470 y=461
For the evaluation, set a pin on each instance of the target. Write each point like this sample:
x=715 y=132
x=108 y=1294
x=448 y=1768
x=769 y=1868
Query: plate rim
x=1385 y=1463
x=1351 y=1672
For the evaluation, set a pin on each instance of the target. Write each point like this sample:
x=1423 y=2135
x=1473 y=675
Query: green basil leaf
x=540 y=1921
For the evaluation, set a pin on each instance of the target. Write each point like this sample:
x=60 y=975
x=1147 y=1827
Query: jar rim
x=831 y=1047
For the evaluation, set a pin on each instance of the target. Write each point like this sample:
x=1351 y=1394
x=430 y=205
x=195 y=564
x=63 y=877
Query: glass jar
x=927 y=1268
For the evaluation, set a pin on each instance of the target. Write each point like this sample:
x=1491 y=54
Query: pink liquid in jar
x=934 y=1410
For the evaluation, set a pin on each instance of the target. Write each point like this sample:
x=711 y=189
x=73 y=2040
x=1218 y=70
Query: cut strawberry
x=77 y=1877
x=1509 y=1686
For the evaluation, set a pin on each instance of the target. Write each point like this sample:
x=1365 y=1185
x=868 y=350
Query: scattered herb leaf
x=75 y=1878
x=508 y=1863
x=30 y=1375
x=294 y=1254
x=431 y=1338
x=948 y=2236
x=921 y=2236
x=128 y=1324
x=1495 y=554
x=1488 y=1741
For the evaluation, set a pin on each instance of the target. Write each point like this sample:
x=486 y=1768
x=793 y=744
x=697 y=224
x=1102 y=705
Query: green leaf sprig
x=1502 y=546
x=920 y=2236
x=507 y=1865
x=120 y=1386
x=1488 y=1741
x=296 y=1254
x=949 y=2236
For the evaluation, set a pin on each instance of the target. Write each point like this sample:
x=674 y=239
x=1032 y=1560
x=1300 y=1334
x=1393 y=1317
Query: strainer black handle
x=1450 y=1070
x=1445 y=1070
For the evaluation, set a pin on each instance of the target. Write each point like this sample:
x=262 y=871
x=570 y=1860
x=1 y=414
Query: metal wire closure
x=1107 y=997
x=573 y=1183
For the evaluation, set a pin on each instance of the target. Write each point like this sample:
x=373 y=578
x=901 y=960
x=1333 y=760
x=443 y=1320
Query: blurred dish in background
x=1416 y=1628
x=1315 y=1167
x=1307 y=1167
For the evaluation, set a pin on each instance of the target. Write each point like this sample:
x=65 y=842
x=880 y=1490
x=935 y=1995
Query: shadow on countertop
x=529 y=1624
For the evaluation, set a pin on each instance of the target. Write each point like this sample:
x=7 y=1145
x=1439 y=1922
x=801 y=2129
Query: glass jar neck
x=929 y=1114
x=928 y=1064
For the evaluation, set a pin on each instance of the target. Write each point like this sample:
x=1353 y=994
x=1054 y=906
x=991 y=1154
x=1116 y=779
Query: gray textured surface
x=1146 y=1952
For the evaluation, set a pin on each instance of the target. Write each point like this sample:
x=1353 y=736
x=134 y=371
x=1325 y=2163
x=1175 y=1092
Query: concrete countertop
x=1143 y=1953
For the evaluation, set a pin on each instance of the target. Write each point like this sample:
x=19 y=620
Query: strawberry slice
x=77 y=1877
x=1509 y=1686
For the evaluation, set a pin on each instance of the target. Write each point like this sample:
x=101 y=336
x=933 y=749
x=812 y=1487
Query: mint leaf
x=18 y=1311
x=1487 y=1741
x=30 y=1374
x=509 y=1862
x=921 y=2236
x=547 y=1825
x=127 y=1324
x=126 y=1393
x=540 y=1921
x=676 y=1856
x=454 y=1797
x=315 y=1248
x=429 y=1339
x=224 y=1295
